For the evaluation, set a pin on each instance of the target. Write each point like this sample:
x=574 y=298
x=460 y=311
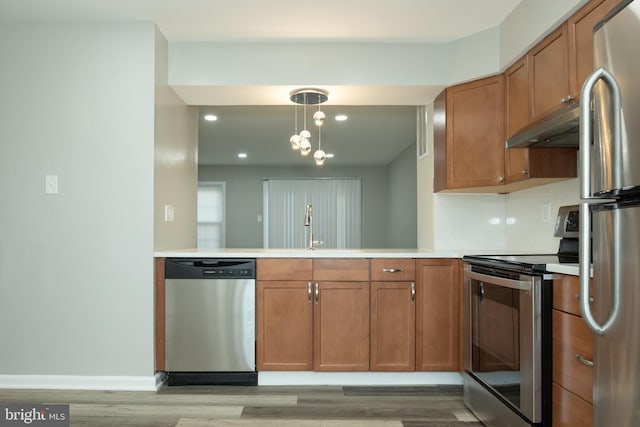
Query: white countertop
x=571 y=269
x=316 y=253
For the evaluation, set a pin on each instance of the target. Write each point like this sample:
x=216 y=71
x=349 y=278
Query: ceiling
x=372 y=135
x=280 y=20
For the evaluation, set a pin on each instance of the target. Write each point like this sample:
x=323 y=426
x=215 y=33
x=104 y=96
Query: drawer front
x=393 y=270
x=283 y=268
x=332 y=269
x=568 y=410
x=566 y=291
x=572 y=337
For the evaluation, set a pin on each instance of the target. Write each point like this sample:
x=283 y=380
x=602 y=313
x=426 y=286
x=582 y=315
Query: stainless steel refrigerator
x=610 y=210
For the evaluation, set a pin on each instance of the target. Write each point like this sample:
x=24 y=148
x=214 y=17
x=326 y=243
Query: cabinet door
x=568 y=410
x=285 y=326
x=438 y=315
x=572 y=339
x=549 y=74
x=472 y=153
x=581 y=40
x=517 y=101
x=341 y=326
x=393 y=326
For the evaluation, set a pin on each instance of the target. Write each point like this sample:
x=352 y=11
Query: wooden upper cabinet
x=517 y=101
x=580 y=27
x=469 y=142
x=549 y=74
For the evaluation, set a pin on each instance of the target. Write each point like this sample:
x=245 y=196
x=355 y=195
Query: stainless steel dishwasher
x=210 y=321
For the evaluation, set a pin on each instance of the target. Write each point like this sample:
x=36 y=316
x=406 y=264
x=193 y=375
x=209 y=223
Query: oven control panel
x=567 y=222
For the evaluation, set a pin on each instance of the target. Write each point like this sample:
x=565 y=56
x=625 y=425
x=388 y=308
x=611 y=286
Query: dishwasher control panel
x=209 y=268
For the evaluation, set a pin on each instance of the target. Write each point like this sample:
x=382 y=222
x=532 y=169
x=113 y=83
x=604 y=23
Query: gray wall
x=403 y=201
x=244 y=199
x=76 y=268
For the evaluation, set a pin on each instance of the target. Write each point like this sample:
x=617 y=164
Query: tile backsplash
x=494 y=222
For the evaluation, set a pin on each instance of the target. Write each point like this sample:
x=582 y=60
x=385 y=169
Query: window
x=211 y=210
x=336 y=205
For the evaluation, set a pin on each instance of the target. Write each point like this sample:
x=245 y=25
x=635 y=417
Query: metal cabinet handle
x=567 y=99
x=524 y=172
x=578 y=298
x=413 y=293
x=500 y=179
x=309 y=293
x=392 y=270
x=481 y=292
x=317 y=294
x=583 y=360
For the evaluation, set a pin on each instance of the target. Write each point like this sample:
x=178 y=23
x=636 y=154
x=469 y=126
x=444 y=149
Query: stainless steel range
x=507 y=331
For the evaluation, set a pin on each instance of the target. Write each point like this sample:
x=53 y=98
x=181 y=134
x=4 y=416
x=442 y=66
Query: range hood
x=561 y=129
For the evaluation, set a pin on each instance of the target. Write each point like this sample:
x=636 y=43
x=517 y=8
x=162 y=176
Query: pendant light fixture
x=302 y=141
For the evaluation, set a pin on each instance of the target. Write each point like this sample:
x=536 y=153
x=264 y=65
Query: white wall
x=529 y=22
x=76 y=278
x=176 y=161
x=526 y=230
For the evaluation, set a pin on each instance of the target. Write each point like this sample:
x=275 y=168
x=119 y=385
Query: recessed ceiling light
x=211 y=117
x=329 y=155
x=242 y=155
x=341 y=117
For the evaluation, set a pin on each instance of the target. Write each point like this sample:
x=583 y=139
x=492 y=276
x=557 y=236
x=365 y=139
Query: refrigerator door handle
x=585 y=129
x=585 y=272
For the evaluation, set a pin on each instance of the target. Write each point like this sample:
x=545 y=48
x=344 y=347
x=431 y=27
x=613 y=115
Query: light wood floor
x=269 y=406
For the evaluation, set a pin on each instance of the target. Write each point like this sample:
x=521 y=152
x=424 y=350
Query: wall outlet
x=168 y=213
x=546 y=212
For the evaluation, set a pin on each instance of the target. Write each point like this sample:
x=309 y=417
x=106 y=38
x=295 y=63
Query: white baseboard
x=358 y=378
x=78 y=382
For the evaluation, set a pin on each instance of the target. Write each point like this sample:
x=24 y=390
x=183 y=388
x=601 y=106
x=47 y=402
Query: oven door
x=503 y=336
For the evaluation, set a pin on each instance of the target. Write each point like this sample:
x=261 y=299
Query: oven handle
x=500 y=281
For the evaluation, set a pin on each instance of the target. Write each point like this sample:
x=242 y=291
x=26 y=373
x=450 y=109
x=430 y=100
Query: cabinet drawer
x=572 y=337
x=331 y=269
x=283 y=268
x=566 y=290
x=568 y=410
x=393 y=270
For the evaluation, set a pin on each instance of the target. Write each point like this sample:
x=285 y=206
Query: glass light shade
x=319 y=157
x=295 y=142
x=305 y=147
x=305 y=134
x=319 y=117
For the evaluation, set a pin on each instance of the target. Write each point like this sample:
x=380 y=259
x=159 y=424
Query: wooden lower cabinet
x=285 y=326
x=438 y=286
x=393 y=326
x=341 y=326
x=572 y=393
x=568 y=410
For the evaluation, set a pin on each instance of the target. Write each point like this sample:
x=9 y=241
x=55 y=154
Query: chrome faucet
x=308 y=222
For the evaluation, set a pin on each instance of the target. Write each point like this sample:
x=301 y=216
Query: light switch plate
x=169 y=215
x=51 y=184
x=546 y=212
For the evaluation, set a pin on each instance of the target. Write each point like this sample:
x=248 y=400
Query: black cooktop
x=526 y=262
